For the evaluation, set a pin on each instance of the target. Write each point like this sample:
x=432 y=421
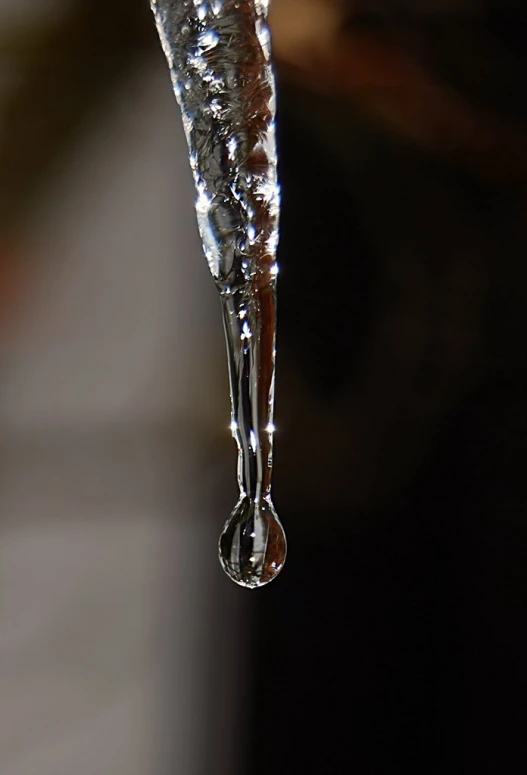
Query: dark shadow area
x=395 y=639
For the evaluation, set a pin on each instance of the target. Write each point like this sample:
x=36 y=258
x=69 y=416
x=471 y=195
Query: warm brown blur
x=379 y=65
x=54 y=89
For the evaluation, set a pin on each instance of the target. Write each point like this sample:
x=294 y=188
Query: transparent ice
x=218 y=52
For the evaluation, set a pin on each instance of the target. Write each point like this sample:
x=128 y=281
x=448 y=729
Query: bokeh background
x=394 y=640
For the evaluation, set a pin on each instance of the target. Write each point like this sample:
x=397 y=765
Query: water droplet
x=253 y=545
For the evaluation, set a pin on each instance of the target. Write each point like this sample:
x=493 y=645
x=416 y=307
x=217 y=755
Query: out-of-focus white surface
x=117 y=653
x=125 y=323
x=108 y=572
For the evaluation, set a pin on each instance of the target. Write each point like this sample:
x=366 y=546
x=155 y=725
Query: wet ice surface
x=218 y=52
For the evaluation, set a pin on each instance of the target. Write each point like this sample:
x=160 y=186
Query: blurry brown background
x=394 y=639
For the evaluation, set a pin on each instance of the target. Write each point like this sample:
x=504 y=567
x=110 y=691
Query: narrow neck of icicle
x=249 y=316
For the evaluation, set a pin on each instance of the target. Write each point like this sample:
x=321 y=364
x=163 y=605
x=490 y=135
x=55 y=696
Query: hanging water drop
x=253 y=544
x=218 y=54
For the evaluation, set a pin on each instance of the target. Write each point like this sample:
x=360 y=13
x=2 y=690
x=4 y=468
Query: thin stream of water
x=218 y=53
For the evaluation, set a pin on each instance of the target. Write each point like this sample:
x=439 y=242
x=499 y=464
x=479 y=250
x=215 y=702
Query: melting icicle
x=219 y=57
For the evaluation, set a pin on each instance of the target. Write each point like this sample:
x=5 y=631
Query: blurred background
x=395 y=639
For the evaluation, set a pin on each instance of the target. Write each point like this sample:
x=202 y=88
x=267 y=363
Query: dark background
x=395 y=640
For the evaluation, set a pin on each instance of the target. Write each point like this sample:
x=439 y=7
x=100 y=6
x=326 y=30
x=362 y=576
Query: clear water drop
x=253 y=546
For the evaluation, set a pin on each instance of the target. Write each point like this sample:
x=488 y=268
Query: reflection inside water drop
x=253 y=545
